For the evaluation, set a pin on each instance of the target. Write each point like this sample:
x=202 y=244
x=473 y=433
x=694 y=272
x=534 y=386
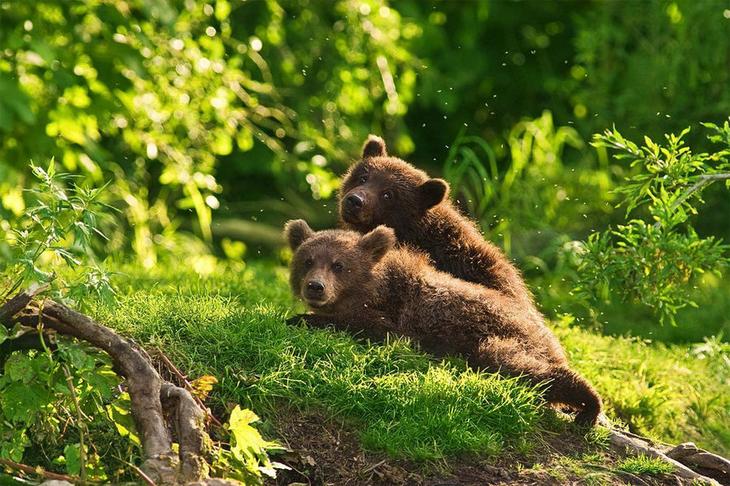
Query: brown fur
x=398 y=195
x=369 y=287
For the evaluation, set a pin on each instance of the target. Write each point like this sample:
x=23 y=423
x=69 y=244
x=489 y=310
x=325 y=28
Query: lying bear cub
x=380 y=189
x=363 y=284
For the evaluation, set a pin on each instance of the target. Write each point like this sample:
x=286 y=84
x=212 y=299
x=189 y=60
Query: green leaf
x=19 y=367
x=22 y=402
x=72 y=454
x=247 y=444
x=13 y=445
x=77 y=357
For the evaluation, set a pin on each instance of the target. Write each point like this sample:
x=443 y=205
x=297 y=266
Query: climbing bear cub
x=380 y=189
x=362 y=284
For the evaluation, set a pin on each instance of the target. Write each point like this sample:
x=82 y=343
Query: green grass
x=675 y=393
x=231 y=325
x=644 y=465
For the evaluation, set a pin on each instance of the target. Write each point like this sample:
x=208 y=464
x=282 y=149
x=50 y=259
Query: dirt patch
x=327 y=452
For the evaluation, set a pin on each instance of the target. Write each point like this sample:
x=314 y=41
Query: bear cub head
x=332 y=269
x=380 y=189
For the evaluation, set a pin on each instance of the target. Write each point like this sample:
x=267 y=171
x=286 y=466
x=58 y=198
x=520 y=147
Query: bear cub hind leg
x=562 y=385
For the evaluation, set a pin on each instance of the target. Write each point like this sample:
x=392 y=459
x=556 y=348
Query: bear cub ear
x=432 y=192
x=374 y=147
x=378 y=242
x=296 y=232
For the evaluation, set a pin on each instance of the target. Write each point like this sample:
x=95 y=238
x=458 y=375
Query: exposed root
x=189 y=422
x=688 y=453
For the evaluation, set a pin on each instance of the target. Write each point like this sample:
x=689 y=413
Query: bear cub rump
x=380 y=189
x=363 y=284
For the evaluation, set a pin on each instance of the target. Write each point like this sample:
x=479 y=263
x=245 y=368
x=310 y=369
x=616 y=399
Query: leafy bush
x=60 y=405
x=657 y=261
x=59 y=227
x=530 y=201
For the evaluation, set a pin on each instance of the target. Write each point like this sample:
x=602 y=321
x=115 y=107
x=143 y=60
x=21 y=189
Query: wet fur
x=398 y=291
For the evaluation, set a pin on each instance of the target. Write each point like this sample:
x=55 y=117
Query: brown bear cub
x=362 y=284
x=381 y=189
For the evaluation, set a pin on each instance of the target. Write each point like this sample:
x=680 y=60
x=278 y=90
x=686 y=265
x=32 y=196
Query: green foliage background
x=216 y=121
x=190 y=130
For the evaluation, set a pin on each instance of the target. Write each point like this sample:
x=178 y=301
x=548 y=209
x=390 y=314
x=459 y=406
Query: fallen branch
x=688 y=453
x=18 y=302
x=37 y=471
x=640 y=445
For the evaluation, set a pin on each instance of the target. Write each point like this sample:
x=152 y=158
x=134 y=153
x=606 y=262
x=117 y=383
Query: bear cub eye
x=363 y=179
x=388 y=195
x=337 y=267
x=308 y=262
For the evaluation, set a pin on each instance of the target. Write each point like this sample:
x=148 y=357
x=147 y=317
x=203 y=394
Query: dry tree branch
x=37 y=471
x=641 y=445
x=18 y=302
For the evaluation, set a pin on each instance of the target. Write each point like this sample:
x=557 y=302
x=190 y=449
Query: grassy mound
x=231 y=325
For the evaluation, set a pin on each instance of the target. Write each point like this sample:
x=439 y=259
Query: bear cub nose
x=315 y=287
x=354 y=201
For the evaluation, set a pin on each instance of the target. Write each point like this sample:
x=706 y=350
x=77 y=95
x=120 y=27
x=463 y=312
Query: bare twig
x=702 y=182
x=374 y=466
x=187 y=385
x=145 y=478
x=633 y=477
x=82 y=427
x=38 y=471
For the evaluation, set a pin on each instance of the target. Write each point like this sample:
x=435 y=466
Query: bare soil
x=327 y=452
